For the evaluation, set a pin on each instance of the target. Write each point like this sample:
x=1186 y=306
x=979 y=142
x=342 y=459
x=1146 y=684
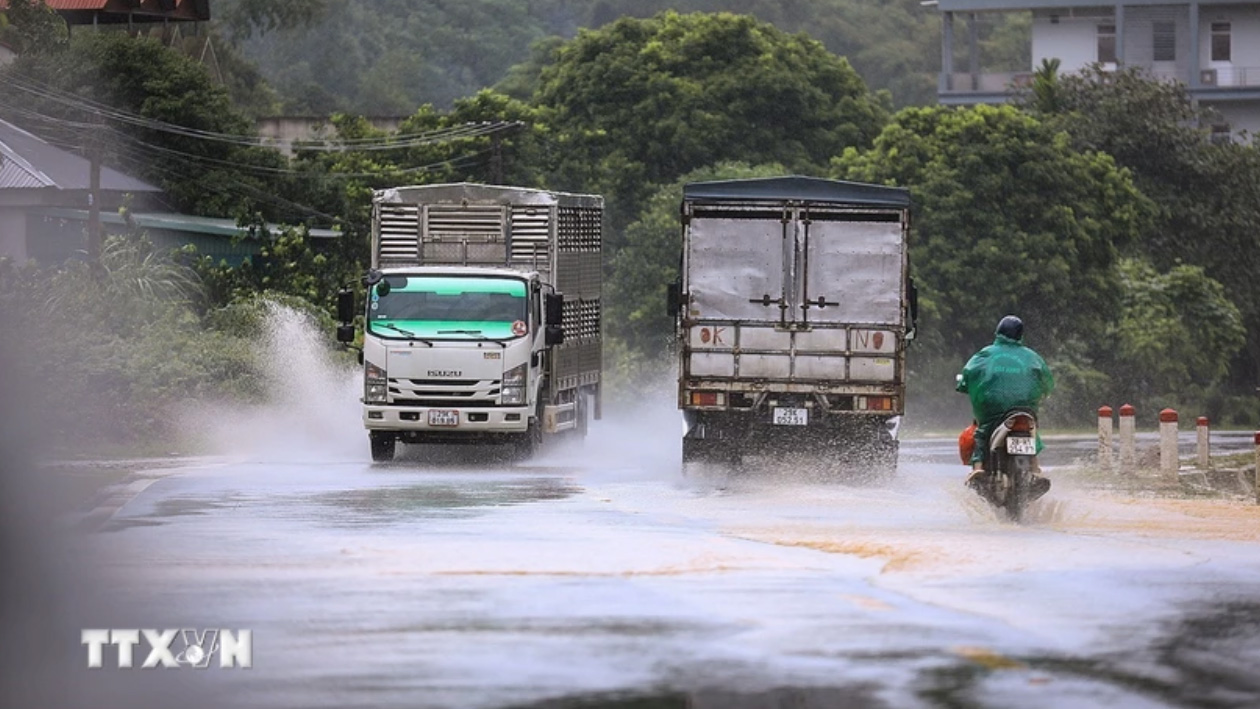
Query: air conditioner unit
x=1207 y=77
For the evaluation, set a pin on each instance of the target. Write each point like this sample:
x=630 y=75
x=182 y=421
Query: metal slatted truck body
x=483 y=316
x=794 y=309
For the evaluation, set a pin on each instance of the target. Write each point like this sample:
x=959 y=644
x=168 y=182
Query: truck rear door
x=740 y=263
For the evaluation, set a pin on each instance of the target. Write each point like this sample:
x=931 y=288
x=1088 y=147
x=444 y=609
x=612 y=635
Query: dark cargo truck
x=794 y=309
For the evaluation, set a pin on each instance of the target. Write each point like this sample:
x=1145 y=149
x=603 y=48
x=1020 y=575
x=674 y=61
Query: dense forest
x=389 y=56
x=1095 y=206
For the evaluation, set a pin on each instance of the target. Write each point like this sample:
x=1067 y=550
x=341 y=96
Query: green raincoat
x=998 y=378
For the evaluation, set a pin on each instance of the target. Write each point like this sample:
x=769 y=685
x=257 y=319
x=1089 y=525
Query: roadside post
x=1104 y=438
x=1128 y=440
x=1168 y=463
x=1204 y=443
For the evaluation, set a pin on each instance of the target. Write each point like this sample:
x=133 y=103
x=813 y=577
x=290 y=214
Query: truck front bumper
x=454 y=422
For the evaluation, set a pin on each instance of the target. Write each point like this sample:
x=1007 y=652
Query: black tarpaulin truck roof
x=799 y=189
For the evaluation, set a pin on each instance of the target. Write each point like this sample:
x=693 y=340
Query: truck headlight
x=375 y=384
x=513 y=393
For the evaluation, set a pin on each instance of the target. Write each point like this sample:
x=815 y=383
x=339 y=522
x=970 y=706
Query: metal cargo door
x=739 y=271
x=853 y=275
x=736 y=265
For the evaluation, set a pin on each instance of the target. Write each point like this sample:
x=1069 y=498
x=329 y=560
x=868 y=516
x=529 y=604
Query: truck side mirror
x=345 y=333
x=553 y=304
x=345 y=306
x=673 y=298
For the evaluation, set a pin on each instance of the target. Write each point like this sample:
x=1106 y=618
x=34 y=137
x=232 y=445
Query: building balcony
x=1218 y=84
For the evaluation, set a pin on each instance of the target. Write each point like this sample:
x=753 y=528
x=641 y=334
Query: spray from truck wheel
x=483 y=317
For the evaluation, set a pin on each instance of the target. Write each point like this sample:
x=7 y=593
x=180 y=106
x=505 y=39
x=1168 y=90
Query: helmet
x=1011 y=327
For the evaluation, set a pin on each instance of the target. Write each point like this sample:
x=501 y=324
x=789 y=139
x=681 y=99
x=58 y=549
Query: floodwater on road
x=597 y=576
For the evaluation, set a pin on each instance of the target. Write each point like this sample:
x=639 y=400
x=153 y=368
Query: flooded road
x=597 y=576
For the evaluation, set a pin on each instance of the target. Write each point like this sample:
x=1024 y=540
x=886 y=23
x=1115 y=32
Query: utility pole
x=94 y=236
x=496 y=159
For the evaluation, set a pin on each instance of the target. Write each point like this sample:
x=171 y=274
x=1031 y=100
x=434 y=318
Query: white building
x=1211 y=47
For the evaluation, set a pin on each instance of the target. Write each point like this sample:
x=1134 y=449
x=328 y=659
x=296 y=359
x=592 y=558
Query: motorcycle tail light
x=1022 y=424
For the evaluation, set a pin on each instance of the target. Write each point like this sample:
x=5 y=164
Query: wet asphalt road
x=598 y=577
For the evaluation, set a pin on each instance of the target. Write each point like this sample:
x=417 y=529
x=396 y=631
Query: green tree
x=155 y=113
x=1205 y=195
x=1177 y=333
x=641 y=102
x=1009 y=218
x=248 y=18
x=32 y=27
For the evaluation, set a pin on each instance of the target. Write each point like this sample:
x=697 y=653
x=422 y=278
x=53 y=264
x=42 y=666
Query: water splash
x=311 y=403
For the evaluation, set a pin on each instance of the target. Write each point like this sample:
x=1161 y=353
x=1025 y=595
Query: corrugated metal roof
x=32 y=162
x=17 y=173
x=799 y=188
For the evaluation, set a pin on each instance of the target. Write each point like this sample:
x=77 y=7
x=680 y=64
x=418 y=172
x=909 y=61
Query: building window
x=1165 y=41
x=1220 y=41
x=1107 y=44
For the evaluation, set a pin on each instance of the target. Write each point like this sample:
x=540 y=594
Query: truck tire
x=703 y=457
x=527 y=445
x=383 y=445
x=581 y=417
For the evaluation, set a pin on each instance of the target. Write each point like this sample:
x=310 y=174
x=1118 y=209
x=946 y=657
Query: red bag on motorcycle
x=967 y=443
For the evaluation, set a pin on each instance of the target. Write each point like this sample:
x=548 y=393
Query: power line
x=394 y=142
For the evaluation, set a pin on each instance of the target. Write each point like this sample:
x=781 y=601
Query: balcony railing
x=999 y=82
x=1230 y=76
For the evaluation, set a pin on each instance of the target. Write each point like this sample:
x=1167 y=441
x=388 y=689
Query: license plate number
x=1021 y=446
x=443 y=417
x=791 y=417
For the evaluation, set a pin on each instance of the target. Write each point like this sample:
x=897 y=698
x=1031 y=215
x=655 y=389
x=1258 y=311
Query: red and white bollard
x=1168 y=462
x=1104 y=438
x=1128 y=440
x=1204 y=443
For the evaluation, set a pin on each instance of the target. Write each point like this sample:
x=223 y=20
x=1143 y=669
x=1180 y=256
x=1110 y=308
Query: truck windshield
x=449 y=307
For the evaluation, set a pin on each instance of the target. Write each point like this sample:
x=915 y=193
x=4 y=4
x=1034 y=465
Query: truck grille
x=444 y=392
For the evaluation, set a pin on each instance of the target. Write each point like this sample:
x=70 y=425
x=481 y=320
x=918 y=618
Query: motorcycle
x=1010 y=464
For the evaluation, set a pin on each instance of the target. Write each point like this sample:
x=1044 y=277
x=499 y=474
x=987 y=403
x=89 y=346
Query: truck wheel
x=883 y=460
x=530 y=442
x=383 y=446
x=583 y=422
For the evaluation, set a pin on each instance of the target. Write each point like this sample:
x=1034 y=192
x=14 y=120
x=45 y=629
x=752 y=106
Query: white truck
x=482 y=322
x=793 y=312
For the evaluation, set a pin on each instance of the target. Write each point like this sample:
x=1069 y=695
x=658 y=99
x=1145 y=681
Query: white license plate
x=790 y=417
x=443 y=417
x=1016 y=445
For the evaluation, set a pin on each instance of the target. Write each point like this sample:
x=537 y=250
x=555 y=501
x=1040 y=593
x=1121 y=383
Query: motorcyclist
x=998 y=378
